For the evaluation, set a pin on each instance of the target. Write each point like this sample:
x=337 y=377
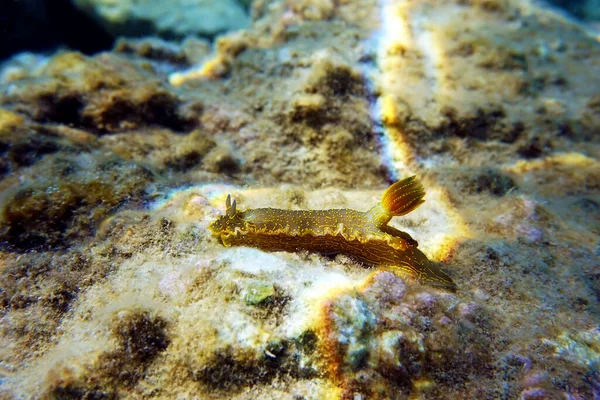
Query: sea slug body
x=365 y=236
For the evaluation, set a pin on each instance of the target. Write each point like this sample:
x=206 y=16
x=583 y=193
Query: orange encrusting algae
x=363 y=235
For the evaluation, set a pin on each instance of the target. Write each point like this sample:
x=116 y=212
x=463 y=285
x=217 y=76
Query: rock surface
x=111 y=285
x=166 y=18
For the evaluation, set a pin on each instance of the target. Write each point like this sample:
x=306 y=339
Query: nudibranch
x=365 y=236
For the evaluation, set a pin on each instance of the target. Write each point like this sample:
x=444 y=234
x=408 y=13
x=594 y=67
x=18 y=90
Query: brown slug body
x=363 y=235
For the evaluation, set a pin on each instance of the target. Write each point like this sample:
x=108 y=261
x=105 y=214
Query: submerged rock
x=111 y=285
x=170 y=19
x=381 y=342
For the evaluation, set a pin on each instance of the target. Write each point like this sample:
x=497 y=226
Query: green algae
x=259 y=293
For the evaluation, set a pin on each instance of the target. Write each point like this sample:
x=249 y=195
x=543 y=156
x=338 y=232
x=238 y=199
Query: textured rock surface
x=166 y=18
x=111 y=285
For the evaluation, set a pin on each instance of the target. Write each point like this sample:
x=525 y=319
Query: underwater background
x=124 y=126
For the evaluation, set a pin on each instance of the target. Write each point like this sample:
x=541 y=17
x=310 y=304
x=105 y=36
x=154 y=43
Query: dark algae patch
x=60 y=212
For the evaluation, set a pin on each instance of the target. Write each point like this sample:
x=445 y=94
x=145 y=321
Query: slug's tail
x=414 y=264
x=403 y=196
